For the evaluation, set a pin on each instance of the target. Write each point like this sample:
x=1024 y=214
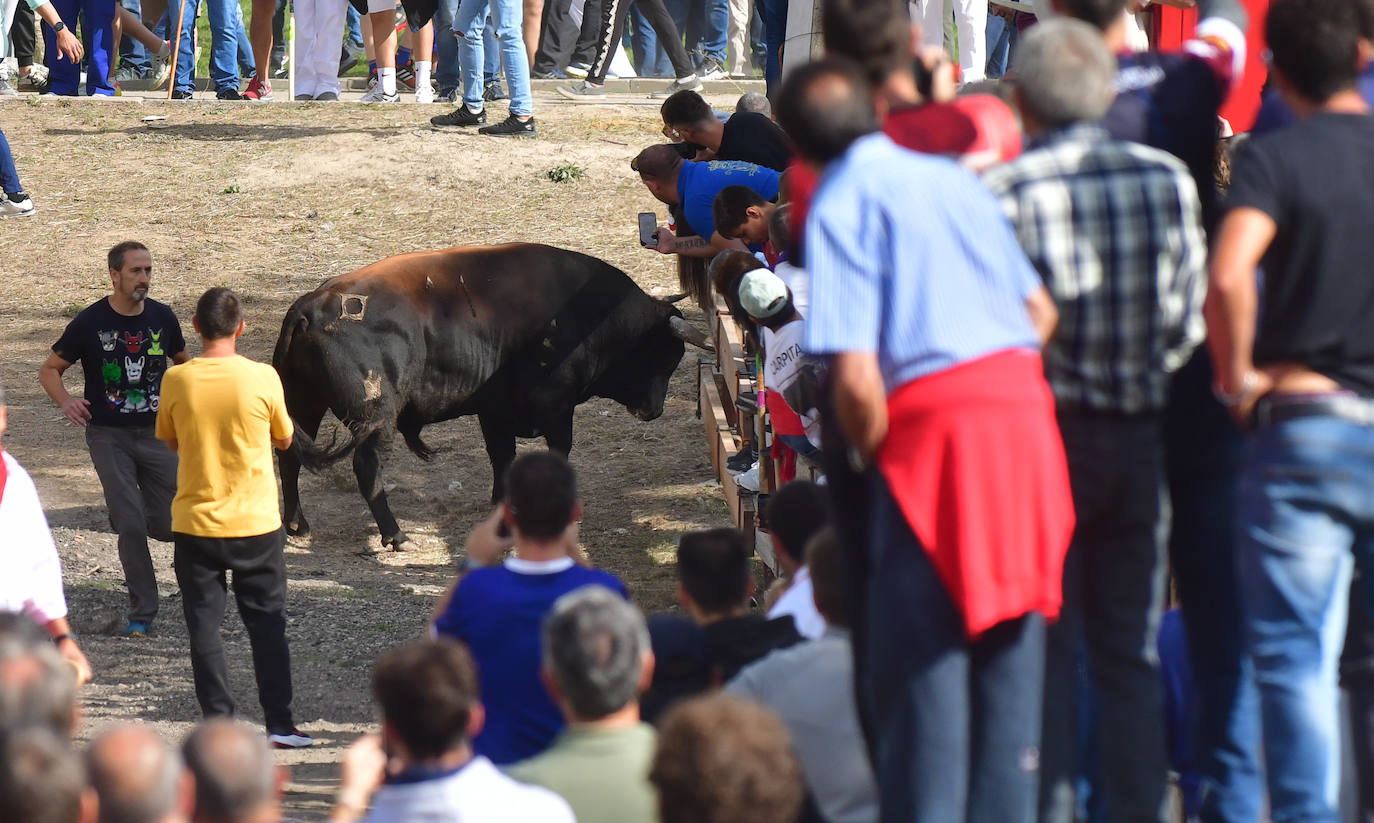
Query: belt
x=1342 y=405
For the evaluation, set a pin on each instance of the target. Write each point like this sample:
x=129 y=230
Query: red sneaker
x=258 y=90
x=405 y=76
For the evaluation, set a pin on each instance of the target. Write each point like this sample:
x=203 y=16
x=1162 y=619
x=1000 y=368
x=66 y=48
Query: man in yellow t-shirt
x=222 y=414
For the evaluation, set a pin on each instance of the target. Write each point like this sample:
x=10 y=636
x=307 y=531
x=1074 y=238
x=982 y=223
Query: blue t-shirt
x=498 y=613
x=699 y=183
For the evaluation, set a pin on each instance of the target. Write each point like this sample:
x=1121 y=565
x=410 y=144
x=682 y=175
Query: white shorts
x=374 y=6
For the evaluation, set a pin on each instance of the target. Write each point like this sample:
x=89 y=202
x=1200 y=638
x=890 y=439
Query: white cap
x=762 y=293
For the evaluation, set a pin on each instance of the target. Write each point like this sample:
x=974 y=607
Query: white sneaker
x=9 y=207
x=577 y=70
x=290 y=739
x=162 y=69
x=379 y=96
x=6 y=88
x=692 y=83
x=424 y=94
x=749 y=481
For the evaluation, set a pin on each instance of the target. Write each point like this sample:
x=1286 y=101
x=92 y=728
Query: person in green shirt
x=597 y=662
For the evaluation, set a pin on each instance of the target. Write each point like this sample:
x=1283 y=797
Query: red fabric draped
x=974 y=459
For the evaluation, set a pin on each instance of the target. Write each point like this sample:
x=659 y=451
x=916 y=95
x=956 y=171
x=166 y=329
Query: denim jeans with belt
x=953 y=726
x=1305 y=519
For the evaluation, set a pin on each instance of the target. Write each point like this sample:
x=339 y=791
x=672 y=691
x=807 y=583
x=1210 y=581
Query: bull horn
x=688 y=333
x=673 y=298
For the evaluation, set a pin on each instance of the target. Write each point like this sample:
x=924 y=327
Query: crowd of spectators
x=1018 y=330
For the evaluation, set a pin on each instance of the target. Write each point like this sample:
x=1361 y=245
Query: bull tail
x=315 y=457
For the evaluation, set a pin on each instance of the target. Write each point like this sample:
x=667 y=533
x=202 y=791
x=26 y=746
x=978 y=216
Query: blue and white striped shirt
x=911 y=258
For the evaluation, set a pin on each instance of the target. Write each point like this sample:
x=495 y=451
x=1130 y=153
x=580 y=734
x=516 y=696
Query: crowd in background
x=1056 y=376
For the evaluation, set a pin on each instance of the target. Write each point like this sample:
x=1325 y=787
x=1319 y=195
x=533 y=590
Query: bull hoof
x=301 y=529
x=398 y=543
x=403 y=546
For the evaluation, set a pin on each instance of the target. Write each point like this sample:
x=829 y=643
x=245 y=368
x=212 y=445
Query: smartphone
x=648 y=224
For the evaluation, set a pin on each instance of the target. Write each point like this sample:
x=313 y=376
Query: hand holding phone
x=648 y=229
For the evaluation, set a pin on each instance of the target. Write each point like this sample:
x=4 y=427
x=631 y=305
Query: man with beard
x=123 y=343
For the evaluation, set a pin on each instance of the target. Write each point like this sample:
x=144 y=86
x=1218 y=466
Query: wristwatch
x=59 y=27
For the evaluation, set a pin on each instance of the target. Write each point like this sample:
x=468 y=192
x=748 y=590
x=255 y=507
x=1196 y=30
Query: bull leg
x=290 y=465
x=500 y=449
x=368 y=468
x=558 y=434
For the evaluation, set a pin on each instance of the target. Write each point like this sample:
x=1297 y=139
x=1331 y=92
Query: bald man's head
x=824 y=107
x=136 y=776
x=236 y=777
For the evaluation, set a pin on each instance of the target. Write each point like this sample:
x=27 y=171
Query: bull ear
x=688 y=333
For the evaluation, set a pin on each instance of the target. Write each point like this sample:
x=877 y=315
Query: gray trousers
x=1113 y=598
x=139 y=475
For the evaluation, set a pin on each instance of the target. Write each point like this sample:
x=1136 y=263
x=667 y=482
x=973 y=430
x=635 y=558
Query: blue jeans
x=97 y=35
x=9 y=175
x=353 y=25
x=446 y=70
x=774 y=13
x=131 y=52
x=491 y=53
x=650 y=58
x=469 y=17
x=247 y=67
x=223 y=16
x=1001 y=39
x=1113 y=598
x=1202 y=456
x=707 y=30
x=1305 y=518
x=953 y=725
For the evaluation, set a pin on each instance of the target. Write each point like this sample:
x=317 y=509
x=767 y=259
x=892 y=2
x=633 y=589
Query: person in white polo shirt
x=422 y=766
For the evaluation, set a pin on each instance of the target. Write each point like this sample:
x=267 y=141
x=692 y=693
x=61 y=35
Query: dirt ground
x=271 y=200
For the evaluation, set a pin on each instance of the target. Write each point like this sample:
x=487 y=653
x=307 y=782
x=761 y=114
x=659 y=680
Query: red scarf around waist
x=974 y=459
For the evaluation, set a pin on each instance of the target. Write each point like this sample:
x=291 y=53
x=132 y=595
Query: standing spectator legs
x=737 y=51
x=613 y=15
x=1113 y=598
x=97 y=18
x=243 y=48
x=558 y=38
x=650 y=58
x=223 y=16
x=9 y=174
x=515 y=59
x=491 y=55
x=585 y=50
x=446 y=72
x=774 y=14
x=320 y=26
x=1303 y=505
x=132 y=55
x=954 y=722
x=279 y=37
x=24 y=35
x=971 y=17
x=1202 y=451
x=260 y=35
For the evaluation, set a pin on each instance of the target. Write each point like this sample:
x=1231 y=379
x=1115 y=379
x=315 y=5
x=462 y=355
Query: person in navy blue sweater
x=497 y=607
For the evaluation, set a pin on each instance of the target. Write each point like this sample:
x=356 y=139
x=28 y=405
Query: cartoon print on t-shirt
x=138 y=402
x=109 y=371
x=155 y=348
x=132 y=342
x=108 y=339
x=133 y=368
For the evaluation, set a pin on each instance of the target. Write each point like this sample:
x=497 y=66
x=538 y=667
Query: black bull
x=517 y=335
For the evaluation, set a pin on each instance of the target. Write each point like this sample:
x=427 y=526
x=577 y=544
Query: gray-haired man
x=597 y=662
x=1115 y=230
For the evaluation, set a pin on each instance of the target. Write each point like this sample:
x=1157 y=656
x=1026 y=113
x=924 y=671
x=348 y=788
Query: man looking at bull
x=123 y=343
x=692 y=187
x=223 y=413
x=497 y=608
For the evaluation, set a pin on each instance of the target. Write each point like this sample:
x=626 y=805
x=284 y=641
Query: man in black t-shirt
x=1298 y=366
x=124 y=343
x=746 y=136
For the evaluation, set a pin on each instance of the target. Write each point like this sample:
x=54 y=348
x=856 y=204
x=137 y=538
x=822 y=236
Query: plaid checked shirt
x=1115 y=230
